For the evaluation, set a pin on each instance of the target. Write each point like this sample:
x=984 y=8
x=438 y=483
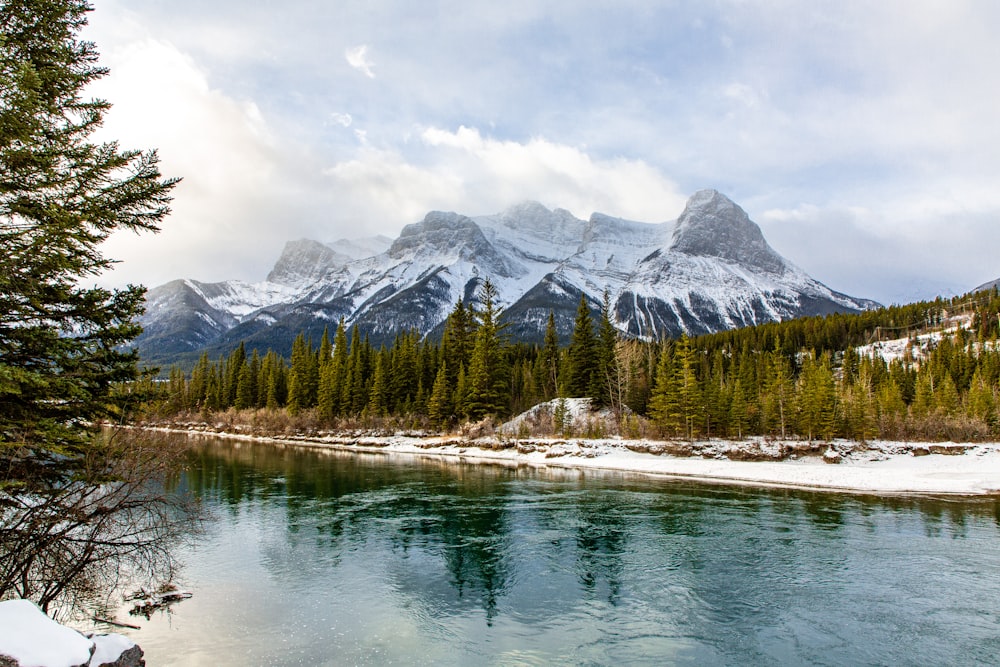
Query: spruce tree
x=404 y=380
x=325 y=402
x=439 y=404
x=691 y=406
x=63 y=342
x=340 y=357
x=255 y=393
x=244 y=387
x=489 y=372
x=816 y=398
x=457 y=340
x=549 y=361
x=198 y=387
x=461 y=392
x=607 y=340
x=326 y=399
x=665 y=401
x=234 y=365
x=582 y=358
x=378 y=397
x=739 y=410
x=981 y=401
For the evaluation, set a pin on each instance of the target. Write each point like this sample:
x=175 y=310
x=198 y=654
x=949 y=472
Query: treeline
x=803 y=378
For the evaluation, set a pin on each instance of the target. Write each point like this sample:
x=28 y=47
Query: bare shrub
x=70 y=545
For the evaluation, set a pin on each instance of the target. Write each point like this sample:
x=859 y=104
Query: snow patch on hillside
x=918 y=346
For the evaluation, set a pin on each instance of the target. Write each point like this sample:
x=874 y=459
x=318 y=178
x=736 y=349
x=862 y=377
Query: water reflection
x=387 y=558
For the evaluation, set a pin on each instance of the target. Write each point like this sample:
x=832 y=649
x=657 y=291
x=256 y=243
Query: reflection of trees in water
x=455 y=537
x=601 y=542
x=337 y=500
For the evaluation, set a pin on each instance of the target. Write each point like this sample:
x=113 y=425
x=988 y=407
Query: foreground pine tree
x=78 y=512
x=61 y=196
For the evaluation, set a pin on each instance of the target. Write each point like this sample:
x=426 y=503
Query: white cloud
x=896 y=251
x=237 y=179
x=357 y=57
x=464 y=171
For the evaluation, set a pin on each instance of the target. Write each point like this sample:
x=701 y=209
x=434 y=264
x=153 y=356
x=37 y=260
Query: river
x=316 y=557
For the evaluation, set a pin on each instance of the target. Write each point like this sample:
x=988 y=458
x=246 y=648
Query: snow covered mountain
x=709 y=270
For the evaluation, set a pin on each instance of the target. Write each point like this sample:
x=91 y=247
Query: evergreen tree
x=690 y=392
x=981 y=402
x=234 y=365
x=739 y=412
x=404 y=380
x=325 y=389
x=439 y=407
x=665 y=402
x=582 y=356
x=297 y=376
x=244 y=387
x=276 y=392
x=177 y=390
x=716 y=406
x=816 y=398
x=489 y=373
x=63 y=344
x=254 y=380
x=352 y=391
x=947 y=400
x=461 y=393
x=889 y=399
x=198 y=387
x=779 y=392
x=340 y=368
x=378 y=397
x=325 y=348
x=326 y=394
x=923 y=400
x=860 y=406
x=548 y=364
x=607 y=339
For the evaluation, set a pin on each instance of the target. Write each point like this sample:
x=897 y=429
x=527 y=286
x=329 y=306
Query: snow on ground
x=33 y=639
x=878 y=467
x=919 y=345
x=109 y=648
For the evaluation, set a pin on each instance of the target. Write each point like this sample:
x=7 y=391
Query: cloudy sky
x=863 y=137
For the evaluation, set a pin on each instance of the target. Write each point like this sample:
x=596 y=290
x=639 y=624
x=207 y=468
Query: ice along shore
x=877 y=467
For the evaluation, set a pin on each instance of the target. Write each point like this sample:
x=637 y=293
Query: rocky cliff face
x=713 y=226
x=709 y=270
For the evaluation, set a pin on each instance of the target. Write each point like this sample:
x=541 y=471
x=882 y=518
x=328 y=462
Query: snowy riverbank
x=875 y=467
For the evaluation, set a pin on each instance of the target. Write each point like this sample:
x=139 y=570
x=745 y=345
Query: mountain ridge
x=709 y=270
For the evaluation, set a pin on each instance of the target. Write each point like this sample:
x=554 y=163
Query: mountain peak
x=528 y=207
x=305 y=261
x=712 y=225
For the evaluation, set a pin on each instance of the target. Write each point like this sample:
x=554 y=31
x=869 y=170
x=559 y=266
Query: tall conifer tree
x=489 y=372
x=582 y=359
x=63 y=342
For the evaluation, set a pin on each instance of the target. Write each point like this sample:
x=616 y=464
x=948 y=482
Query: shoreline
x=876 y=468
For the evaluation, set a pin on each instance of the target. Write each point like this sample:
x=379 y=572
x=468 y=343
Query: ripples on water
x=320 y=558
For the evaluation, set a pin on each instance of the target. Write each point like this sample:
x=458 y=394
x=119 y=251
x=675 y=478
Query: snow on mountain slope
x=711 y=269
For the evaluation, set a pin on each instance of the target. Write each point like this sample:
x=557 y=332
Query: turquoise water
x=321 y=558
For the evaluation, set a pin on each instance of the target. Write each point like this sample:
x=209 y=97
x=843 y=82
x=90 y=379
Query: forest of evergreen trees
x=803 y=378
